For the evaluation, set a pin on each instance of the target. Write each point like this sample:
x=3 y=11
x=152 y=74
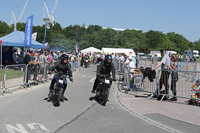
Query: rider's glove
x=71 y=79
x=114 y=79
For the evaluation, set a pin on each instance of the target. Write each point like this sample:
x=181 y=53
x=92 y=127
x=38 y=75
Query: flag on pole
x=28 y=32
x=34 y=36
x=77 y=48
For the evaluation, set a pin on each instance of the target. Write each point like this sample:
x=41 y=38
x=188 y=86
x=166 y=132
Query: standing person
x=134 y=60
x=27 y=61
x=36 y=66
x=27 y=58
x=32 y=52
x=165 y=62
x=126 y=63
x=15 y=58
x=43 y=61
x=174 y=76
x=113 y=56
x=132 y=67
x=121 y=60
x=81 y=59
x=49 y=57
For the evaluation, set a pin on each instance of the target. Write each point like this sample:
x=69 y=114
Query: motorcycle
x=103 y=89
x=58 y=89
x=86 y=62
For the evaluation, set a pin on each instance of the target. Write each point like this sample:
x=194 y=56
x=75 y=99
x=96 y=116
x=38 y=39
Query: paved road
x=25 y=111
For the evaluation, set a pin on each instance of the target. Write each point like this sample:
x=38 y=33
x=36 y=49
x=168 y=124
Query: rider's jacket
x=103 y=69
x=65 y=68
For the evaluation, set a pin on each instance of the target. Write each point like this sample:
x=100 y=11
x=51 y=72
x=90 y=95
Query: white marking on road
x=83 y=76
x=33 y=126
x=92 y=80
x=18 y=129
x=90 y=76
x=130 y=98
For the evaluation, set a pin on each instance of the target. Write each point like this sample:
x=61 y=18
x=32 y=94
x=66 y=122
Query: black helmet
x=108 y=60
x=108 y=57
x=64 y=56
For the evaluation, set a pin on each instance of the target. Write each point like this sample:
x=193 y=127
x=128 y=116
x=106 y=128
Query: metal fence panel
x=1 y=77
x=14 y=76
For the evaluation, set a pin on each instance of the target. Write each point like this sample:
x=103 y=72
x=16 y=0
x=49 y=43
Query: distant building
x=119 y=30
x=115 y=29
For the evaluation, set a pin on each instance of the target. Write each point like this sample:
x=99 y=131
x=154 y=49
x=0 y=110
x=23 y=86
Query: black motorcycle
x=58 y=89
x=86 y=62
x=103 y=89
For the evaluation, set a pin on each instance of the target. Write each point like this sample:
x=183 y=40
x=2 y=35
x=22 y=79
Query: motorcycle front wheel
x=105 y=96
x=57 y=96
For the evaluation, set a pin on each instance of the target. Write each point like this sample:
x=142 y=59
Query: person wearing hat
x=126 y=61
x=132 y=67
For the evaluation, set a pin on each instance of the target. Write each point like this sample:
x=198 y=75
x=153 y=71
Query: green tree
x=180 y=43
x=4 y=29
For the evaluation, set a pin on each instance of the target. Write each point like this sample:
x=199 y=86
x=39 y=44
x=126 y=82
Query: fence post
x=128 y=78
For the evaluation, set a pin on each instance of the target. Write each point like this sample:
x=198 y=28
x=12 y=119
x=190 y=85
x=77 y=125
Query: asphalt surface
x=26 y=111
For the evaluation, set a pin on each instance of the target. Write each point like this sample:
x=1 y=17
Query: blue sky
x=180 y=16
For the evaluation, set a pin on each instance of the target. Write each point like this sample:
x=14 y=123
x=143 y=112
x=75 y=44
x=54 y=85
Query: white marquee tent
x=91 y=50
x=128 y=52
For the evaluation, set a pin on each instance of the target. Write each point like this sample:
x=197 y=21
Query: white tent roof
x=128 y=52
x=91 y=50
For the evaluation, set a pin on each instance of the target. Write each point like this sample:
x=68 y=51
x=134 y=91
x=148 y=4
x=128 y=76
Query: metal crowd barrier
x=148 y=62
x=128 y=84
x=181 y=85
x=36 y=73
x=14 y=76
x=22 y=75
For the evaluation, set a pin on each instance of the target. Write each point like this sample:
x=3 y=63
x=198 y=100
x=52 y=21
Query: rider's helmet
x=108 y=60
x=63 y=57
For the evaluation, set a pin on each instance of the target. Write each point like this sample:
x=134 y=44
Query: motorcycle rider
x=64 y=67
x=104 y=68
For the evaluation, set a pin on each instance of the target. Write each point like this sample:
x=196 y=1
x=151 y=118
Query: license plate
x=107 y=81
x=86 y=60
x=60 y=81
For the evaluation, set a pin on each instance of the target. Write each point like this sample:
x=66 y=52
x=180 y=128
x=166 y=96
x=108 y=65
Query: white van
x=191 y=53
x=155 y=53
x=172 y=52
x=196 y=53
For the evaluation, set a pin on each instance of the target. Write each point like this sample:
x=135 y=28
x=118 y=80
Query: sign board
x=0 y=41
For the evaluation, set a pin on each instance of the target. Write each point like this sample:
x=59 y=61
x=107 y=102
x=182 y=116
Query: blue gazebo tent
x=16 y=39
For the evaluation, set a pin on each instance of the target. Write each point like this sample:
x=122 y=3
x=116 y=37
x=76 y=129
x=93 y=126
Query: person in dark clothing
x=82 y=58
x=165 y=62
x=27 y=61
x=104 y=68
x=174 y=76
x=27 y=58
x=64 y=67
